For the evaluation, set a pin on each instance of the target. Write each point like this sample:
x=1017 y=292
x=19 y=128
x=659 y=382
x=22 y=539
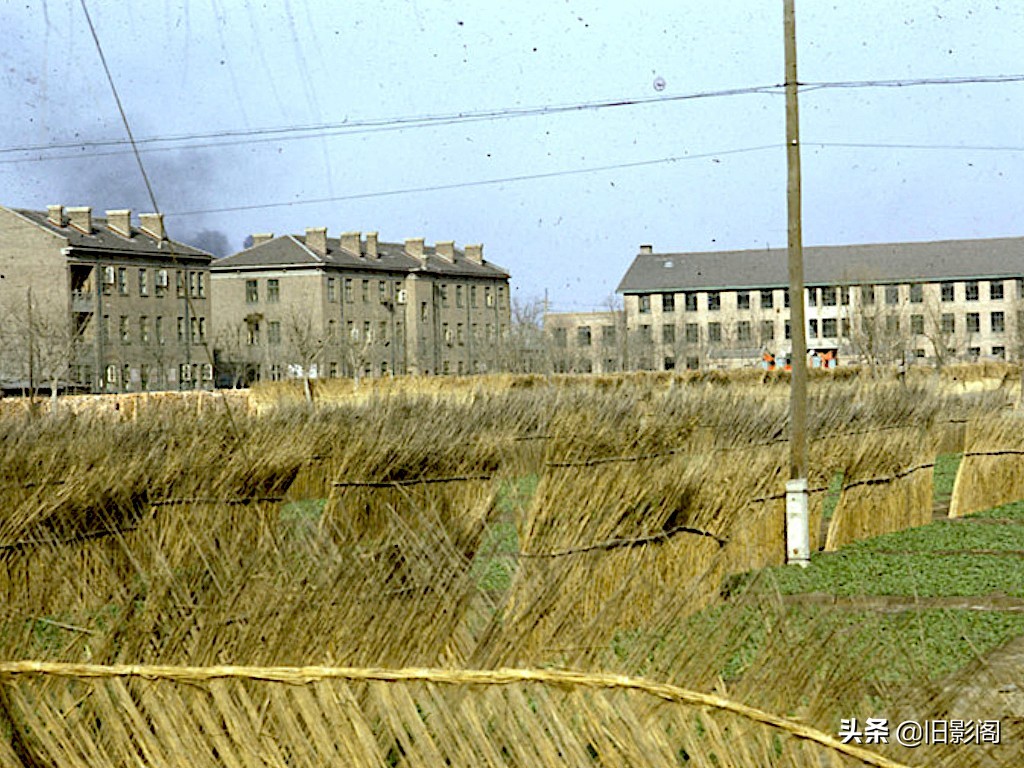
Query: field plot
x=509 y=571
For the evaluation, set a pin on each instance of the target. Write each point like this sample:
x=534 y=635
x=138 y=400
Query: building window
x=714 y=332
x=195 y=330
x=274 y=332
x=948 y=322
x=844 y=296
x=998 y=320
x=645 y=334
x=767 y=299
x=789 y=330
x=253 y=333
x=181 y=330
x=916 y=293
x=202 y=330
x=691 y=302
x=158 y=327
x=108 y=281
x=348 y=290
x=974 y=352
x=828 y=297
x=668 y=302
x=767 y=330
x=668 y=334
x=123 y=332
x=583 y=336
x=332 y=289
x=892 y=325
x=919 y=353
x=973 y=322
x=367 y=332
x=949 y=291
x=126 y=374
x=892 y=294
x=999 y=352
x=644 y=303
x=607 y=335
x=122 y=280
x=143 y=282
x=365 y=292
x=423 y=312
x=200 y=285
x=179 y=284
x=785 y=298
x=444 y=295
x=743 y=330
x=472 y=297
x=692 y=363
x=714 y=301
x=460 y=300
x=561 y=338
x=273 y=290
x=917 y=324
x=813 y=332
x=144 y=329
x=995 y=290
x=812 y=297
x=252 y=292
x=692 y=333
x=971 y=290
x=460 y=335
x=160 y=283
x=743 y=300
x=193 y=288
x=829 y=328
x=844 y=328
x=867 y=294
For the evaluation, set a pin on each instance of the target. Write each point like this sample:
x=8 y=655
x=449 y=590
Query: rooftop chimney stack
x=55 y=214
x=646 y=250
x=352 y=243
x=414 y=247
x=475 y=253
x=259 y=238
x=371 y=246
x=153 y=225
x=120 y=221
x=80 y=217
x=446 y=250
x=316 y=240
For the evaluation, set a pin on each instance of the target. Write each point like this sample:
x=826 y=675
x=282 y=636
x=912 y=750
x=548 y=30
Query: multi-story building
x=928 y=301
x=100 y=303
x=586 y=342
x=318 y=306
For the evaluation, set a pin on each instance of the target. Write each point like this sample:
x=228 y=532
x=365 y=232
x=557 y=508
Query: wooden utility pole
x=798 y=358
x=798 y=549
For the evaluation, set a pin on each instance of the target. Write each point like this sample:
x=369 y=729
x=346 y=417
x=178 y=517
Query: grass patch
x=831 y=500
x=944 y=476
x=1012 y=511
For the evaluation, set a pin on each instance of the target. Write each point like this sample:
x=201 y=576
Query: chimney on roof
x=120 y=221
x=474 y=253
x=646 y=250
x=446 y=250
x=80 y=217
x=414 y=247
x=371 y=246
x=259 y=238
x=351 y=242
x=55 y=215
x=316 y=240
x=153 y=225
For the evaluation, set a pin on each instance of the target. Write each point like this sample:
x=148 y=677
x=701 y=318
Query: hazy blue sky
x=222 y=71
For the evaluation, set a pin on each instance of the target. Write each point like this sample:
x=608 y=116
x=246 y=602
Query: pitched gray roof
x=827 y=265
x=105 y=239
x=291 y=251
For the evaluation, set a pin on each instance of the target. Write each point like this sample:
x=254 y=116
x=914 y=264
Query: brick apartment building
x=100 y=303
x=319 y=306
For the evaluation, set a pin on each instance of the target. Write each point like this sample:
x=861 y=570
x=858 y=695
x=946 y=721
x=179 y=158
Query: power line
x=479 y=183
x=214 y=139
x=883 y=145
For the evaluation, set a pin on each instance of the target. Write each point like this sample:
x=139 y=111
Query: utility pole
x=797 y=533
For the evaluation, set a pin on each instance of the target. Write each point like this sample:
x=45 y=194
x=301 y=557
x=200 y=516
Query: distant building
x=319 y=306
x=881 y=303
x=101 y=303
x=586 y=342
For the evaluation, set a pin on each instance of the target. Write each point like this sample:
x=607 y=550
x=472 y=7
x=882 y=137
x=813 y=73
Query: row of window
x=383 y=294
x=155 y=333
x=146 y=376
x=828 y=328
x=835 y=296
x=118 y=276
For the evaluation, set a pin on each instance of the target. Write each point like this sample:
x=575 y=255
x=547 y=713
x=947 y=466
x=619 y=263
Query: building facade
x=586 y=342
x=319 y=306
x=933 y=302
x=100 y=303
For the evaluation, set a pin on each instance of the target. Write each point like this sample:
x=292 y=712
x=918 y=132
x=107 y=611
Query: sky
x=561 y=134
